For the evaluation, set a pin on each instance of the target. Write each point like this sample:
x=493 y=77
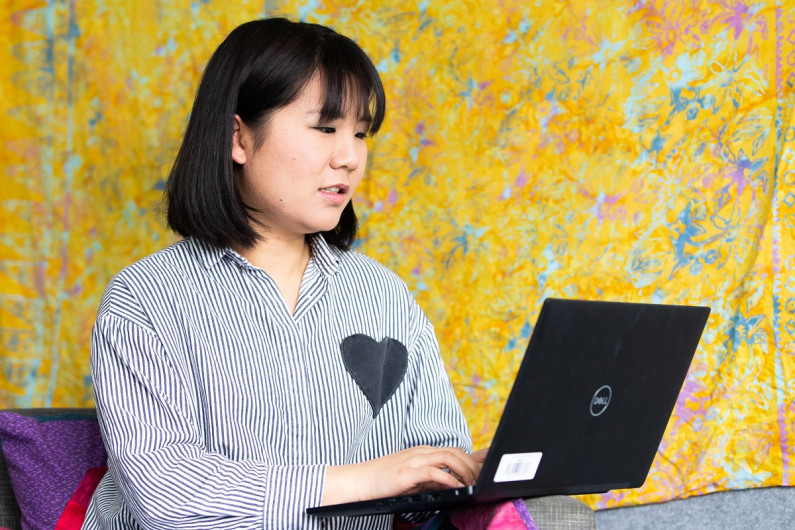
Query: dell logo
x=601 y=399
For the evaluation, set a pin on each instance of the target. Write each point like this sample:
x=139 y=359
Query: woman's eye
x=327 y=130
x=361 y=135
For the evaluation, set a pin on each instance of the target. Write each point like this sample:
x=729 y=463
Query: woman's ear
x=238 y=141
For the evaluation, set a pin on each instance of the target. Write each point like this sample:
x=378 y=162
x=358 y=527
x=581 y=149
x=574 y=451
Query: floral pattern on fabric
x=635 y=150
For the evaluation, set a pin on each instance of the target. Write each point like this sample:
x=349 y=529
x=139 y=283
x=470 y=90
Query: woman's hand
x=422 y=468
x=480 y=455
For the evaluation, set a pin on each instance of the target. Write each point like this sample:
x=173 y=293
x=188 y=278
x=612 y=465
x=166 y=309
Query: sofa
x=61 y=450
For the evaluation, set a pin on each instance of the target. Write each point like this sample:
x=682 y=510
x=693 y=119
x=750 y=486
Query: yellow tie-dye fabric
x=617 y=150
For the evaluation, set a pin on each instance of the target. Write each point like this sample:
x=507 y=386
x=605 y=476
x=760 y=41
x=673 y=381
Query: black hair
x=261 y=67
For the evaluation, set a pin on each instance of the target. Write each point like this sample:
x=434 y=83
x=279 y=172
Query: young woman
x=259 y=366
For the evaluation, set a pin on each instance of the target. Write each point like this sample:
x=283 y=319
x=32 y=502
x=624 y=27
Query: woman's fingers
x=459 y=464
x=464 y=466
x=412 y=470
x=443 y=479
x=480 y=455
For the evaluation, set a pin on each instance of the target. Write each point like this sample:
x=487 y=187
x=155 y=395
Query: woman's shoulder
x=156 y=276
x=160 y=264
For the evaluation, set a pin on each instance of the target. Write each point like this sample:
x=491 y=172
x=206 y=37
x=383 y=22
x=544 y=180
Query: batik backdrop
x=621 y=150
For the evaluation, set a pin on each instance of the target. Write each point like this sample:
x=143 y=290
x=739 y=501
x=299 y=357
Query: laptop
x=587 y=410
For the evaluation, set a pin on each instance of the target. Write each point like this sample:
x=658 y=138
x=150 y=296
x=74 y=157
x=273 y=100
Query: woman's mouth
x=336 y=188
x=335 y=194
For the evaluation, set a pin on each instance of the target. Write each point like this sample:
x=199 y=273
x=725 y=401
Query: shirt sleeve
x=434 y=415
x=153 y=436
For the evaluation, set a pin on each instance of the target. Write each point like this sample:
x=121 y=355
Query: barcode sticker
x=517 y=466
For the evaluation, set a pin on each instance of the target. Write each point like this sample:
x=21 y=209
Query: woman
x=259 y=366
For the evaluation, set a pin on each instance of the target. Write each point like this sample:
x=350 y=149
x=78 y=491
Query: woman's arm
x=422 y=468
x=155 y=442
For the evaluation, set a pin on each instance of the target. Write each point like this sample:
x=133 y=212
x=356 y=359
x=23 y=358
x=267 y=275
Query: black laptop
x=587 y=410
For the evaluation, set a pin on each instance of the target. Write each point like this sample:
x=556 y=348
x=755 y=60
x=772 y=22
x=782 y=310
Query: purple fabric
x=524 y=514
x=46 y=462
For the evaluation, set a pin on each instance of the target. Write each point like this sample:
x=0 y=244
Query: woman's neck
x=285 y=262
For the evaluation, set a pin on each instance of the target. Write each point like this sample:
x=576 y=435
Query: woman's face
x=305 y=171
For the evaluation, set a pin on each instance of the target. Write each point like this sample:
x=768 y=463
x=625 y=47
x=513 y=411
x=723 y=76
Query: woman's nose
x=349 y=153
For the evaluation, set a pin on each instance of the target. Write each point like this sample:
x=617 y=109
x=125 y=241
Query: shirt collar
x=327 y=258
x=207 y=254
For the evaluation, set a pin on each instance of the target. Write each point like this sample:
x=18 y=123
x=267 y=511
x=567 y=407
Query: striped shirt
x=221 y=409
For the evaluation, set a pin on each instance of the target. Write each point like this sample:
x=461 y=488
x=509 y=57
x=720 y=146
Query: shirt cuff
x=290 y=490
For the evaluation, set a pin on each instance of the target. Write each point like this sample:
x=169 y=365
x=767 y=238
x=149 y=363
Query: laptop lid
x=591 y=399
x=587 y=409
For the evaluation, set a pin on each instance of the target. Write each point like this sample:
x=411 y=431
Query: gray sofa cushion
x=559 y=512
x=770 y=508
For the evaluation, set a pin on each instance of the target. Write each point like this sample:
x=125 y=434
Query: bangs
x=351 y=83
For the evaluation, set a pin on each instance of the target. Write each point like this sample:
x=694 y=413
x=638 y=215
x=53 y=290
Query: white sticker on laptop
x=517 y=466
